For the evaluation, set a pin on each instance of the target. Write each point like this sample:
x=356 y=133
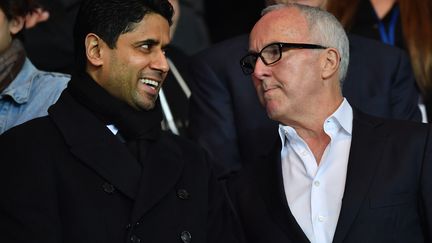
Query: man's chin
x=272 y=112
x=145 y=103
x=147 y=107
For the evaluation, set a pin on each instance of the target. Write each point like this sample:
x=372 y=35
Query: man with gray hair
x=225 y=114
x=336 y=174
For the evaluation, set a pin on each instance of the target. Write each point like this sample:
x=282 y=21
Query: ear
x=330 y=60
x=93 y=49
x=16 y=25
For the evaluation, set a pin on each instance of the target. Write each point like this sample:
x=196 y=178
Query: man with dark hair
x=98 y=168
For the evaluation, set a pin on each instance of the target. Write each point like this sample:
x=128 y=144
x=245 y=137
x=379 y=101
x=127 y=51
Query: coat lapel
x=272 y=189
x=93 y=144
x=366 y=151
x=162 y=169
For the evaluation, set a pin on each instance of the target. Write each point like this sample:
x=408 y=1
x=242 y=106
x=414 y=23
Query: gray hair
x=324 y=28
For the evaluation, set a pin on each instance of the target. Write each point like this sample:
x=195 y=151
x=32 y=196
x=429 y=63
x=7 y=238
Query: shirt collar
x=112 y=128
x=342 y=116
x=20 y=88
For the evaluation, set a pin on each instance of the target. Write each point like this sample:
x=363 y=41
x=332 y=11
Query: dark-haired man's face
x=136 y=68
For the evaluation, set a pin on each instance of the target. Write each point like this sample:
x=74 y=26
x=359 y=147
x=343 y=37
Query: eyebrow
x=152 y=42
x=148 y=42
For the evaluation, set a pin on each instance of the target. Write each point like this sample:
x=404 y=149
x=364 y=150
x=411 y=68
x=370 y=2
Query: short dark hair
x=110 y=18
x=17 y=8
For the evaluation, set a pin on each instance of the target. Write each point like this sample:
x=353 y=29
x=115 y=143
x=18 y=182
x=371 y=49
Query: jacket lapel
x=272 y=189
x=365 y=153
x=162 y=169
x=93 y=144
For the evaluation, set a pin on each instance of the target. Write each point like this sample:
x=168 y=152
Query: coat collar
x=95 y=146
x=367 y=147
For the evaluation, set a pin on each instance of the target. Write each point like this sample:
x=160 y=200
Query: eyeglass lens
x=270 y=54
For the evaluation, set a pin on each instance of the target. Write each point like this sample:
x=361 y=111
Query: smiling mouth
x=149 y=82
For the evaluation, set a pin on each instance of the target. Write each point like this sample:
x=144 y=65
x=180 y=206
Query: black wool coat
x=67 y=178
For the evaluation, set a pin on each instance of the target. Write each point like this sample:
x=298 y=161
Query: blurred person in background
x=192 y=33
x=25 y=91
x=50 y=43
x=406 y=24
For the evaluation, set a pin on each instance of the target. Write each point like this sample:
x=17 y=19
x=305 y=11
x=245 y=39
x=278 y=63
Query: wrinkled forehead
x=282 y=25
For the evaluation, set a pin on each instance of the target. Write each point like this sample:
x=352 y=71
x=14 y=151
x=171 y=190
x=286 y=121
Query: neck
x=317 y=142
x=382 y=7
x=311 y=127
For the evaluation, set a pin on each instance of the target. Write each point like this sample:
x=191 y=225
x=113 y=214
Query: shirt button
x=317 y=183
x=321 y=218
x=303 y=153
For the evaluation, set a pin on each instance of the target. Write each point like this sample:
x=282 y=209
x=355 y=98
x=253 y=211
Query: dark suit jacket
x=387 y=197
x=67 y=178
x=227 y=119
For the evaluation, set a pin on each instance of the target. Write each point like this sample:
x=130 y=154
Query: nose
x=260 y=69
x=160 y=62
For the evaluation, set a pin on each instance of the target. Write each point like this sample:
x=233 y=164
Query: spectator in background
x=227 y=119
x=25 y=91
x=404 y=23
x=227 y=19
x=192 y=33
x=50 y=43
x=174 y=96
x=36 y=16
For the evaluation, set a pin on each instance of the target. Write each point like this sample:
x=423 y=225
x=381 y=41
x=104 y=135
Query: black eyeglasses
x=271 y=54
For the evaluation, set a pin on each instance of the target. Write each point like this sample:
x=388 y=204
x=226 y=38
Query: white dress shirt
x=314 y=193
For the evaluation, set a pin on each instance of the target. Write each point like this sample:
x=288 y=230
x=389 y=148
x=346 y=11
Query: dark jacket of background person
x=227 y=19
x=50 y=44
x=227 y=119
